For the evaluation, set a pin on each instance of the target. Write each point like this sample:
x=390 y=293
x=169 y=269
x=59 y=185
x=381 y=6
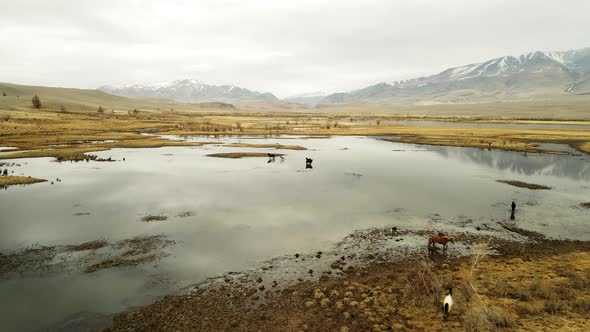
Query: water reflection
x=573 y=167
x=240 y=212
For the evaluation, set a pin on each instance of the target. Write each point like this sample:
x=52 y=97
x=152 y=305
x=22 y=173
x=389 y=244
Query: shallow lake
x=238 y=213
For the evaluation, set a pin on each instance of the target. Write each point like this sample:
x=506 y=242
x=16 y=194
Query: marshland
x=204 y=229
x=294 y=165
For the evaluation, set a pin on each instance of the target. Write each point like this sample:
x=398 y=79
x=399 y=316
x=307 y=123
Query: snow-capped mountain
x=528 y=75
x=187 y=91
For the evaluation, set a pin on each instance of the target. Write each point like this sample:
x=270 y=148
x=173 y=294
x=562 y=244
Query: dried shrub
x=476 y=318
x=520 y=293
x=532 y=308
x=553 y=305
x=502 y=288
x=502 y=318
x=541 y=288
x=582 y=304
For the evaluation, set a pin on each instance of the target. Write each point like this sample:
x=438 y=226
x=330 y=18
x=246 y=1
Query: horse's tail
x=429 y=241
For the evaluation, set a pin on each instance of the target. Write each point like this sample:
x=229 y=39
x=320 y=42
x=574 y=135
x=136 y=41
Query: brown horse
x=433 y=240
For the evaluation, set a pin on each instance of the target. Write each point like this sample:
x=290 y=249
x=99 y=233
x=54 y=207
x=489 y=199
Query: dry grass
x=265 y=146
x=584 y=146
x=238 y=155
x=531 y=308
x=541 y=288
x=10 y=180
x=521 y=184
x=399 y=296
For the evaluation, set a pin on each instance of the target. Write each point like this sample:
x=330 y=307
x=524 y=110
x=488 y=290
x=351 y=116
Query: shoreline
x=398 y=295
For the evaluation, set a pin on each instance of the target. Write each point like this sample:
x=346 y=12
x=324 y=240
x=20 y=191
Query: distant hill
x=308 y=99
x=188 y=91
x=19 y=96
x=531 y=75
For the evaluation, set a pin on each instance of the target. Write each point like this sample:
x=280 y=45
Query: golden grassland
x=546 y=287
x=68 y=135
x=10 y=180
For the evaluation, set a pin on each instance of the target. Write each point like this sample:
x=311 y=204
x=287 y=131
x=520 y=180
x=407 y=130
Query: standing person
x=513 y=206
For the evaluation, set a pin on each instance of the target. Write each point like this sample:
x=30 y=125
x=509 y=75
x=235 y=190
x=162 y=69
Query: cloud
x=284 y=47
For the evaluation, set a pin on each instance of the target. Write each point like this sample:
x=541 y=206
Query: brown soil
x=521 y=184
x=238 y=155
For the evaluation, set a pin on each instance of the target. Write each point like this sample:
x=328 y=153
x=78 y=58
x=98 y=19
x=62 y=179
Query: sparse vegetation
x=150 y=218
x=265 y=146
x=120 y=262
x=521 y=184
x=238 y=155
x=92 y=245
x=100 y=110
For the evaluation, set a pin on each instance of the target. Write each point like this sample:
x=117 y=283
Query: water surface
x=246 y=211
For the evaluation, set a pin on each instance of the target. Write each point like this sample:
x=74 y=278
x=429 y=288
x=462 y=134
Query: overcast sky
x=283 y=46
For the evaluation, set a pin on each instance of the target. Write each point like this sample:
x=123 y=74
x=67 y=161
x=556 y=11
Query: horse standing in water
x=433 y=240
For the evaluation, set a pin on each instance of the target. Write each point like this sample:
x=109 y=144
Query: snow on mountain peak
x=187 y=90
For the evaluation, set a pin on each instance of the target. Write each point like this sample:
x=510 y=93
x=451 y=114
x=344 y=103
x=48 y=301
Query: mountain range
x=188 y=90
x=530 y=75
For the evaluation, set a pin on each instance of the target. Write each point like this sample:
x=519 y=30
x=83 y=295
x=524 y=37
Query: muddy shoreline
x=373 y=291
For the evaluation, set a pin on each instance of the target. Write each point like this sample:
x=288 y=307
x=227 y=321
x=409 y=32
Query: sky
x=285 y=47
